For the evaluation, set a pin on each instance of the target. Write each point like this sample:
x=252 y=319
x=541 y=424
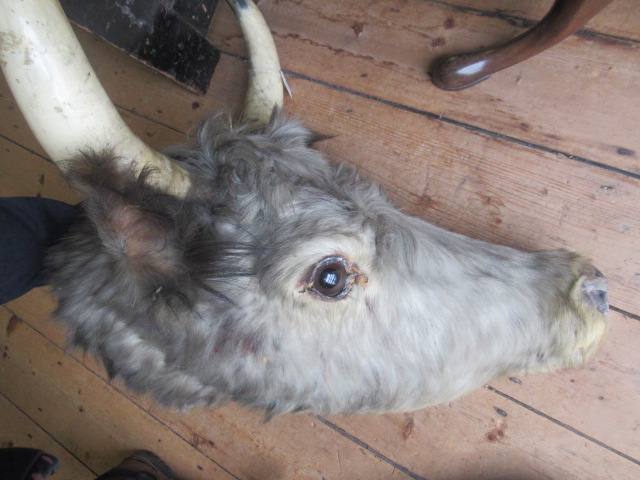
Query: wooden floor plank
x=602 y=400
x=617 y=19
x=293 y=446
x=484 y=436
x=88 y=416
x=387 y=55
x=290 y=446
x=28 y=174
x=18 y=430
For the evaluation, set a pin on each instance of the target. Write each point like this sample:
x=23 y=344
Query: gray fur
x=201 y=301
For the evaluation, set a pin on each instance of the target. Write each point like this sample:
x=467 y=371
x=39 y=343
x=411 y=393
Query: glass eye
x=330 y=279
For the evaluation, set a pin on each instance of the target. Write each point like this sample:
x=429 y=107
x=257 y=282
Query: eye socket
x=332 y=278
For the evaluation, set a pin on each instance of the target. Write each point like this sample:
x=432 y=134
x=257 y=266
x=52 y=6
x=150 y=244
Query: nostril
x=595 y=290
x=601 y=300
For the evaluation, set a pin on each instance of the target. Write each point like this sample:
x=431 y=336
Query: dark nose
x=595 y=290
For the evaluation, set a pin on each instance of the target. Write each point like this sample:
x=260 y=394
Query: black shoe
x=24 y=463
x=142 y=465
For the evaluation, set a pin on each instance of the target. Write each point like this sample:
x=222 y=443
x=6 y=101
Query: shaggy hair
x=216 y=297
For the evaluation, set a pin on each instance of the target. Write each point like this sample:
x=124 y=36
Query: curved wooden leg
x=458 y=71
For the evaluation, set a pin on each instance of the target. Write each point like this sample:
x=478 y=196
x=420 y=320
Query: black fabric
x=23 y=463
x=28 y=226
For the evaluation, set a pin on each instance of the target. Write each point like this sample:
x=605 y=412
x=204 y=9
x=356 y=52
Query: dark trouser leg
x=28 y=226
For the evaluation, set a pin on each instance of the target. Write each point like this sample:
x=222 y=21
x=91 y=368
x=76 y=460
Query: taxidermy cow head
x=246 y=267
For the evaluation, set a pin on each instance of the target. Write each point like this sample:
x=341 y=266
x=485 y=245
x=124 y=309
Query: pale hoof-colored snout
x=591 y=299
x=595 y=290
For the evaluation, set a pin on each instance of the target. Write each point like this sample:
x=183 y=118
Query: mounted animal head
x=276 y=279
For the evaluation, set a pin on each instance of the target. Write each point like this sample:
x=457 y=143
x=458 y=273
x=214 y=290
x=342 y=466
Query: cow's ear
x=136 y=236
x=130 y=216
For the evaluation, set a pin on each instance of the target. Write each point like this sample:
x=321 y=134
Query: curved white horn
x=60 y=96
x=265 y=83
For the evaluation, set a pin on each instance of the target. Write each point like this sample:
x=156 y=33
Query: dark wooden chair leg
x=458 y=71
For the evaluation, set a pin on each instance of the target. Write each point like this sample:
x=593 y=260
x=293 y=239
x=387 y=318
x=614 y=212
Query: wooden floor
x=543 y=155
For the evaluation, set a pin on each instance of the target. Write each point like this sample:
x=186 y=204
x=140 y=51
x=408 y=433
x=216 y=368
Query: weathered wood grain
x=561 y=99
x=89 y=417
x=615 y=20
x=28 y=174
x=18 y=430
x=87 y=412
x=602 y=400
x=484 y=436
